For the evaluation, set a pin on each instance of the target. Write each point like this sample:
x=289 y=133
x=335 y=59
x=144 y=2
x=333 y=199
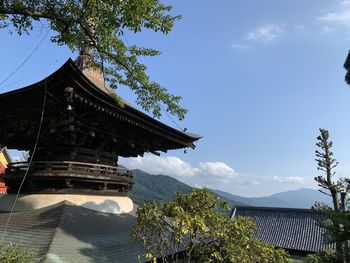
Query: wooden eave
x=87 y=92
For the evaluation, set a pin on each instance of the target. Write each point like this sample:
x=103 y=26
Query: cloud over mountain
x=213 y=174
x=168 y=165
x=205 y=174
x=288 y=179
x=174 y=166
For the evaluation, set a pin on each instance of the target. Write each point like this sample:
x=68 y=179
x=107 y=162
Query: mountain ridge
x=160 y=188
x=163 y=188
x=299 y=198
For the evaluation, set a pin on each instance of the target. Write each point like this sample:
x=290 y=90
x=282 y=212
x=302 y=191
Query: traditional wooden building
x=74 y=130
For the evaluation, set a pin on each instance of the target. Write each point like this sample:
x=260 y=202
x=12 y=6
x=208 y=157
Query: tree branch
x=35 y=14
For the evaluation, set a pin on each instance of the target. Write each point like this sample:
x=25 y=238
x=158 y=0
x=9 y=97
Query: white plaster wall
x=106 y=204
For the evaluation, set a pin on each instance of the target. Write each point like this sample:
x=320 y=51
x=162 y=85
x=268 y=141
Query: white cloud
x=340 y=16
x=219 y=169
x=345 y=3
x=241 y=46
x=174 y=166
x=289 y=179
x=255 y=182
x=263 y=34
x=266 y=33
x=168 y=165
x=214 y=175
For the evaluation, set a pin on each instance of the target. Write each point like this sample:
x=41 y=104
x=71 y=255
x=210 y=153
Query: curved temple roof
x=93 y=108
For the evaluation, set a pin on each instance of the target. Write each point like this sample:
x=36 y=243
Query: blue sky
x=258 y=77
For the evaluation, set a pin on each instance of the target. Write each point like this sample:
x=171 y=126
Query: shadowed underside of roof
x=68 y=233
x=291 y=229
x=94 y=111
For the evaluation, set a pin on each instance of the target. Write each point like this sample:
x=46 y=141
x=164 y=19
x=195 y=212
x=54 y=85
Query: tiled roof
x=68 y=233
x=291 y=229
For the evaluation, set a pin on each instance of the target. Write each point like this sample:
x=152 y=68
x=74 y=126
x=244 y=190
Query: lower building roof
x=65 y=232
x=289 y=228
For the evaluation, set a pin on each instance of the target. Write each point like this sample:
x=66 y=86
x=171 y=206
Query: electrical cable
x=177 y=125
x=30 y=161
x=24 y=61
x=29 y=76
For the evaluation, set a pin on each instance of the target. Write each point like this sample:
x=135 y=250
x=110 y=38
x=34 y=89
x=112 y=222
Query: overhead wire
x=39 y=130
x=41 y=120
x=28 y=57
x=175 y=123
x=30 y=161
x=30 y=75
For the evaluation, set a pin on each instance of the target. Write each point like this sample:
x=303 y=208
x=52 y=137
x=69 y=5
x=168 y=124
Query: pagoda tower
x=75 y=131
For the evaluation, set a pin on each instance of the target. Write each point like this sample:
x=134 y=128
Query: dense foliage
x=15 y=254
x=99 y=26
x=327 y=255
x=338 y=223
x=192 y=228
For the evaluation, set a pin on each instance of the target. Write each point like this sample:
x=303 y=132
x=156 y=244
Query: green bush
x=191 y=228
x=16 y=254
x=325 y=256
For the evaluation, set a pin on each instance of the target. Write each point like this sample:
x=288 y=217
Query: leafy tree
x=97 y=28
x=192 y=228
x=341 y=234
x=347 y=68
x=327 y=163
x=338 y=223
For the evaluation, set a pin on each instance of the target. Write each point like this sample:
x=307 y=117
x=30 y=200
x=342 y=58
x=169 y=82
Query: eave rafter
x=117 y=123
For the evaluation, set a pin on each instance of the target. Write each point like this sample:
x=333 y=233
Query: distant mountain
x=160 y=188
x=256 y=201
x=301 y=198
x=163 y=188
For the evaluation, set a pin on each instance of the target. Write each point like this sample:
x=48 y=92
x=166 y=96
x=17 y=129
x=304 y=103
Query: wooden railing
x=51 y=175
x=69 y=168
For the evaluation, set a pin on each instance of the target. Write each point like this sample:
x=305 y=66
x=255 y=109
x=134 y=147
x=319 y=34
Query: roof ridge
x=63 y=204
x=267 y=208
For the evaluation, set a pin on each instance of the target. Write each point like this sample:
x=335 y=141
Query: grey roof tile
x=292 y=229
x=68 y=233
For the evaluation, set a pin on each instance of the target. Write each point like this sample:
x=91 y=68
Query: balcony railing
x=69 y=175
